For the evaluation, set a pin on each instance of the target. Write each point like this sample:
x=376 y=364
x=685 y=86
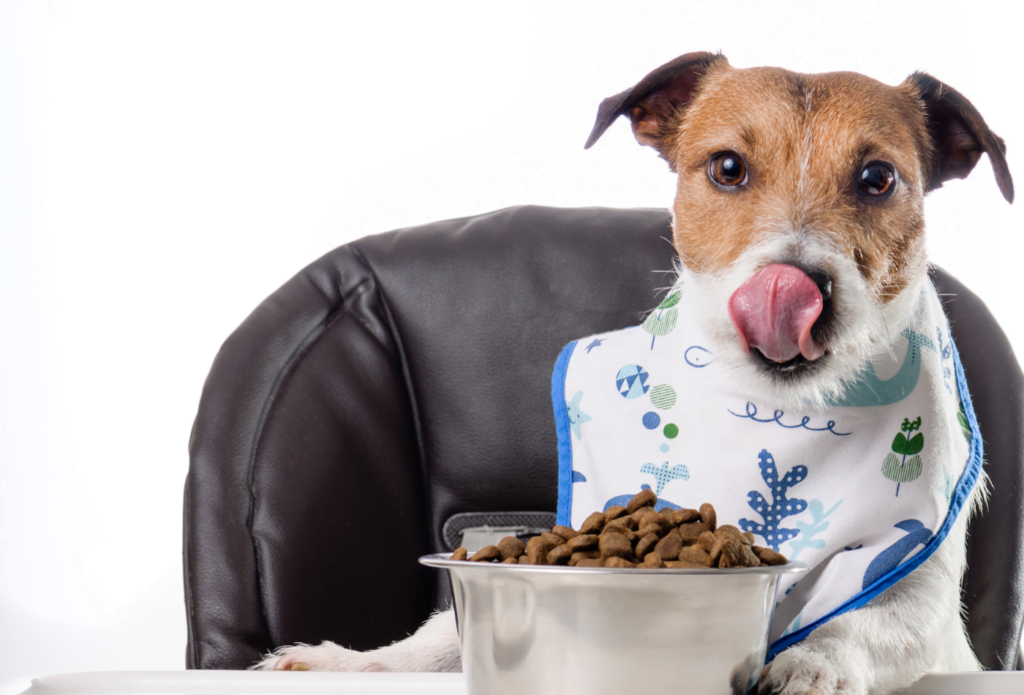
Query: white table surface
x=310 y=683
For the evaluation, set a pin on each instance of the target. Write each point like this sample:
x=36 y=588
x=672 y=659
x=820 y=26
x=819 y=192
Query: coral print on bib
x=862 y=491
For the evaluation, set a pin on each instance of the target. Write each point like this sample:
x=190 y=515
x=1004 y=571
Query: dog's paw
x=801 y=671
x=327 y=656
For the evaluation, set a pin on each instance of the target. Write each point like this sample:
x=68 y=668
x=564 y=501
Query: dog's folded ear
x=959 y=135
x=653 y=103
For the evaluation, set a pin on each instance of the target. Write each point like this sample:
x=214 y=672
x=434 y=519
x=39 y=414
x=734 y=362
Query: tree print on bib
x=904 y=470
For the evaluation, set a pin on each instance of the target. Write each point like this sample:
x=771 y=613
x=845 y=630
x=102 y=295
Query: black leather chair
x=403 y=379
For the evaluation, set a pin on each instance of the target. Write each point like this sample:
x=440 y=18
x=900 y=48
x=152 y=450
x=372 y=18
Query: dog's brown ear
x=959 y=135
x=654 y=101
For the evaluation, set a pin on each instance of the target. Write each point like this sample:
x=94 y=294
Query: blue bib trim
x=563 y=431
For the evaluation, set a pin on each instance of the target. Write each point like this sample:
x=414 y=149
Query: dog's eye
x=727 y=169
x=877 y=179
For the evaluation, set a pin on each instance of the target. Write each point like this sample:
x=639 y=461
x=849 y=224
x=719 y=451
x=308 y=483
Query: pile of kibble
x=635 y=536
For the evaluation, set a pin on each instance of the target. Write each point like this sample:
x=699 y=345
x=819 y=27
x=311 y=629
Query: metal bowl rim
x=444 y=561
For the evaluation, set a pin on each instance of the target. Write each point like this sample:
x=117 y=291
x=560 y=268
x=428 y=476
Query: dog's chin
x=798 y=382
x=790 y=369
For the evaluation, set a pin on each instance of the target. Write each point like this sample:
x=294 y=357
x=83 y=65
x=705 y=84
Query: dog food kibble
x=646 y=498
x=559 y=553
x=636 y=535
x=593 y=524
x=486 y=554
x=511 y=548
x=565 y=532
x=707 y=515
x=669 y=546
x=646 y=545
x=584 y=541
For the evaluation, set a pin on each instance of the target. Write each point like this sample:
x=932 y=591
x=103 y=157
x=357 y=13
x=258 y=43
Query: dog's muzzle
x=774 y=311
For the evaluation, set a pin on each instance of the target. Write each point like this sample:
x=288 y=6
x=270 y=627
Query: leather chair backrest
x=404 y=379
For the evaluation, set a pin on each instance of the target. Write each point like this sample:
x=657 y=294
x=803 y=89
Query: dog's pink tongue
x=774 y=311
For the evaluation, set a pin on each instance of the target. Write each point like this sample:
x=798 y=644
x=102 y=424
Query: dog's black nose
x=824 y=282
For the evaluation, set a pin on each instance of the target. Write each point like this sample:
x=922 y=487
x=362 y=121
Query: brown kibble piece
x=593 y=524
x=691 y=532
x=669 y=546
x=620 y=531
x=727 y=530
x=706 y=541
x=584 y=541
x=666 y=515
x=716 y=552
x=750 y=537
x=460 y=554
x=559 y=555
x=621 y=522
x=684 y=516
x=748 y=558
x=510 y=561
x=595 y=562
x=552 y=538
x=649 y=517
x=731 y=553
x=646 y=545
x=613 y=512
x=695 y=554
x=616 y=561
x=641 y=513
x=511 y=547
x=488 y=553
x=652 y=561
x=769 y=556
x=564 y=532
x=615 y=545
x=656 y=529
x=645 y=498
x=708 y=516
x=580 y=555
x=537 y=550
x=524 y=560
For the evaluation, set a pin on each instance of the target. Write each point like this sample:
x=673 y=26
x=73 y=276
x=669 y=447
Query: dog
x=823 y=176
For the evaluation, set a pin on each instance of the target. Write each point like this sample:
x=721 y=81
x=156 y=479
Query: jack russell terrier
x=798 y=223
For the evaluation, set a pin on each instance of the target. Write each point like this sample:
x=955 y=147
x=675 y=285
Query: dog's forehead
x=767 y=107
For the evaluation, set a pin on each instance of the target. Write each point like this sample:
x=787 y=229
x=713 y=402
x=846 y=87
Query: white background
x=166 y=166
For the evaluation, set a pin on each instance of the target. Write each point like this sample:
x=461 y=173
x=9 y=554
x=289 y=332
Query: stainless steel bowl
x=534 y=630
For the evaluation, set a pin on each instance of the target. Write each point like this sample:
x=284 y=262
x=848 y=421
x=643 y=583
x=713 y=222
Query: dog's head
x=798 y=214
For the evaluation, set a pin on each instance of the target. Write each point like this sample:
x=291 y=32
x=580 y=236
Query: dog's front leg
x=912 y=628
x=434 y=647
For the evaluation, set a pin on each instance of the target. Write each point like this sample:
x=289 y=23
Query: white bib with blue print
x=862 y=493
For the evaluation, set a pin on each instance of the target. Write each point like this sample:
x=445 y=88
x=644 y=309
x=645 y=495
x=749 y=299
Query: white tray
x=311 y=683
